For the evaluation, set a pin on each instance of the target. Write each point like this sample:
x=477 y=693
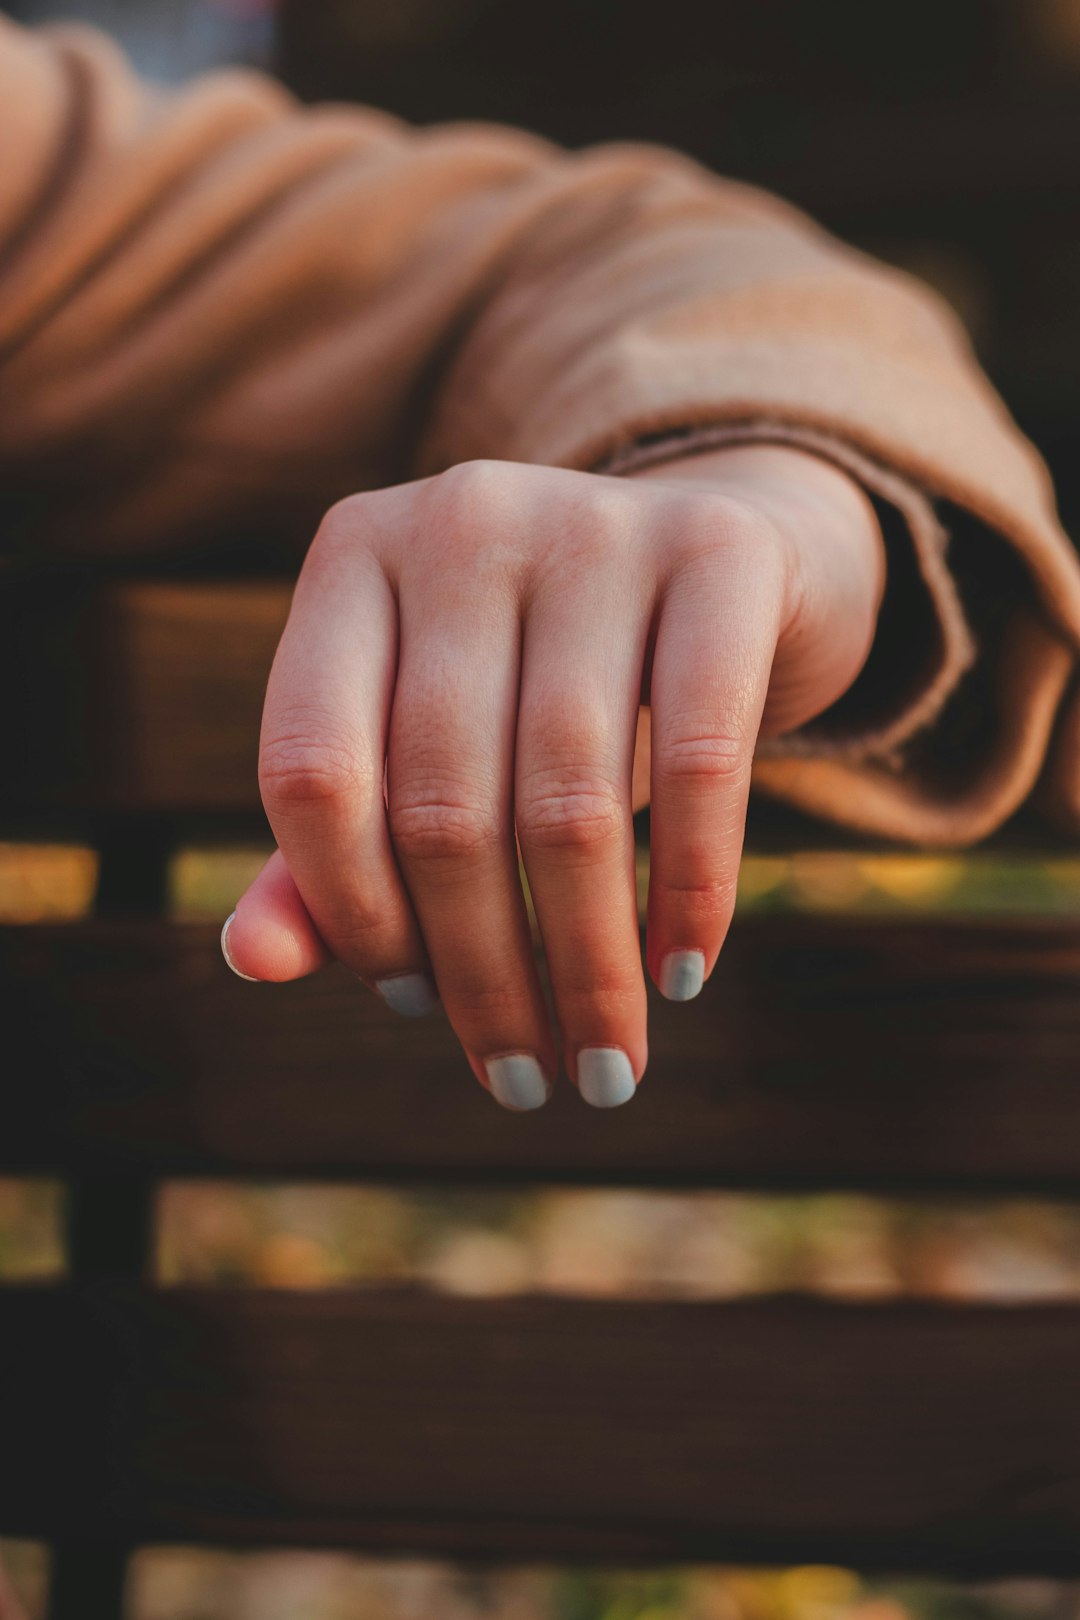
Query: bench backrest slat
x=778 y=1430
x=827 y=1052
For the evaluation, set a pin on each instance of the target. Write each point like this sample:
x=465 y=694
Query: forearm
x=221 y=312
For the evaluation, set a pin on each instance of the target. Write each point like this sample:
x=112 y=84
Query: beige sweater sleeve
x=219 y=310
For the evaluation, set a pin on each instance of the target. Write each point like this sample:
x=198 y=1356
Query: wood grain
x=139 y=729
x=826 y=1053
x=902 y=1437
x=146 y=699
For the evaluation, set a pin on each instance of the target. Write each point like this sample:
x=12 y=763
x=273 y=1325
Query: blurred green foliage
x=179 y=1583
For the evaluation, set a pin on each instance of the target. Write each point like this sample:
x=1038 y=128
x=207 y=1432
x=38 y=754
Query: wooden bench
x=835 y=1052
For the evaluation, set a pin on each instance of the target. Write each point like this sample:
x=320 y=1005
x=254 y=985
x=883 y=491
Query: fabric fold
x=221 y=312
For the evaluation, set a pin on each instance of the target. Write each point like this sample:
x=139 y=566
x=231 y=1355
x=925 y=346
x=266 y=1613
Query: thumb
x=270 y=935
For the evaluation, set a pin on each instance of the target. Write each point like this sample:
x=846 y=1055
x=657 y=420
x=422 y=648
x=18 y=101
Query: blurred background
x=942 y=136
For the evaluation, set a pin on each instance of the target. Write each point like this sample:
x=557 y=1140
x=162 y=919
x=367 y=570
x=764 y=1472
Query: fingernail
x=682 y=974
x=411 y=994
x=604 y=1076
x=517 y=1081
x=227 y=954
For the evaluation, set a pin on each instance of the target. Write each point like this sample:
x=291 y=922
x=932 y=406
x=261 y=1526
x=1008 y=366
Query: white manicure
x=682 y=974
x=411 y=994
x=517 y=1081
x=604 y=1076
x=227 y=954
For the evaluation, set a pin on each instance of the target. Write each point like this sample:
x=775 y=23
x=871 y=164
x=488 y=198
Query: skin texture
x=502 y=641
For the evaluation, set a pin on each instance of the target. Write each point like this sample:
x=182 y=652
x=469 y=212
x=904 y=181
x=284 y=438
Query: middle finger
x=581 y=686
x=449 y=785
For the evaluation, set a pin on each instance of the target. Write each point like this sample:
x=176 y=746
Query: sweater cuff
x=923 y=645
x=959 y=713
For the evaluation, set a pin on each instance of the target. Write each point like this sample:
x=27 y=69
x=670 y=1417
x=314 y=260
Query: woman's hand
x=464 y=663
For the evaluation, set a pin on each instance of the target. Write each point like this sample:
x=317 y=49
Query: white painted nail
x=604 y=1076
x=411 y=994
x=228 y=955
x=517 y=1081
x=682 y=974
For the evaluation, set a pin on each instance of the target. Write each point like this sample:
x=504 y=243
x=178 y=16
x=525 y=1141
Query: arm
x=221 y=311
x=645 y=432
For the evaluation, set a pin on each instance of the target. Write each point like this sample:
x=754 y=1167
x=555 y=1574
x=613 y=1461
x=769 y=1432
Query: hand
x=486 y=637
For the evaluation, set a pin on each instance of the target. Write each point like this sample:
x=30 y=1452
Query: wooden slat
x=901 y=1436
x=188 y=668
x=825 y=1053
x=141 y=723
x=149 y=696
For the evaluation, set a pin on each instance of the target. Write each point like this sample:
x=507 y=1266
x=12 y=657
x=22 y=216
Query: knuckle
x=702 y=903
x=732 y=524
x=712 y=758
x=609 y=989
x=730 y=540
x=358 y=935
x=341 y=541
x=340 y=525
x=493 y=1003
x=298 y=768
x=473 y=545
x=356 y=528
x=438 y=827
x=571 y=814
x=601 y=523
x=470 y=489
x=342 y=515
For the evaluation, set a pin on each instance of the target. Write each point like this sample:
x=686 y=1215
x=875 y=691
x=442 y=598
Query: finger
x=321 y=769
x=581 y=685
x=449 y=780
x=270 y=935
x=715 y=641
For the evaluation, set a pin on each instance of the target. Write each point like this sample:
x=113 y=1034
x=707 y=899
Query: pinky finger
x=715 y=644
